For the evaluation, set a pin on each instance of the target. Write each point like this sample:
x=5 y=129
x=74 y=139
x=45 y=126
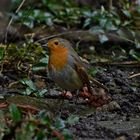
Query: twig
x=110 y=4
x=6 y=33
x=86 y=34
x=123 y=64
x=11 y=20
x=134 y=75
x=51 y=36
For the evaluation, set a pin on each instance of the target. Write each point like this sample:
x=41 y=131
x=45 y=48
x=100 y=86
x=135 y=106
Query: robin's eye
x=56 y=42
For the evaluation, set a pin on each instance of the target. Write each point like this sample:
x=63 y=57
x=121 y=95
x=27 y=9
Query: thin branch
x=110 y=5
x=119 y=64
x=11 y=20
x=86 y=33
x=134 y=75
x=51 y=36
x=7 y=29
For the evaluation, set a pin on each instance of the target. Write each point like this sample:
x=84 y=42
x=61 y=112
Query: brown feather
x=83 y=76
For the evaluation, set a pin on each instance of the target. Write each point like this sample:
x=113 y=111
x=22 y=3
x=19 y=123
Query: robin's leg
x=61 y=102
x=77 y=96
x=85 y=93
x=63 y=94
x=66 y=94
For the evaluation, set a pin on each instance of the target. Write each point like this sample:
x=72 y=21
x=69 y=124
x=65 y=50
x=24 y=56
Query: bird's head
x=56 y=44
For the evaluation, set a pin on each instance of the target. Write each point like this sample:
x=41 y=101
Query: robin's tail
x=99 y=84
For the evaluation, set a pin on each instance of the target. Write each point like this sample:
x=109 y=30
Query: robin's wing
x=83 y=73
x=86 y=78
x=76 y=63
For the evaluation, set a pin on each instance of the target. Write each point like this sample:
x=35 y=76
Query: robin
x=66 y=68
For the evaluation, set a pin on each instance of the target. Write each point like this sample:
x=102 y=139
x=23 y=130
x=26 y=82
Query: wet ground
x=120 y=119
x=120 y=122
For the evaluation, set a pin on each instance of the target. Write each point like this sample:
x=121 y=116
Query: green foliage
x=30 y=88
x=27 y=126
x=71 y=120
x=43 y=62
x=59 y=124
x=69 y=14
x=28 y=52
x=107 y=20
x=15 y=113
x=134 y=54
x=92 y=71
x=52 y=12
x=30 y=17
x=25 y=59
x=2 y=51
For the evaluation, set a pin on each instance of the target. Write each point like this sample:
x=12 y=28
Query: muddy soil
x=120 y=119
x=121 y=122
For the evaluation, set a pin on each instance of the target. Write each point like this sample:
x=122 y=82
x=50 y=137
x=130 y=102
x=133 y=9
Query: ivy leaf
x=28 y=83
x=59 y=124
x=103 y=38
x=72 y=119
x=135 y=54
x=137 y=44
x=15 y=112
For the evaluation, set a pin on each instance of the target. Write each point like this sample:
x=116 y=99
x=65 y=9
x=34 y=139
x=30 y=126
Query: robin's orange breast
x=58 y=58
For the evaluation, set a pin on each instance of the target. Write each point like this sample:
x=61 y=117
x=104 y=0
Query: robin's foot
x=85 y=93
x=66 y=94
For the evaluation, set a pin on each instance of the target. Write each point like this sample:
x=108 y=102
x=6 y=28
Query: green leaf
x=42 y=64
x=92 y=71
x=28 y=91
x=126 y=13
x=135 y=54
x=122 y=34
x=15 y=113
x=42 y=92
x=1 y=53
x=41 y=136
x=103 y=22
x=59 y=123
x=28 y=83
x=72 y=119
x=67 y=134
x=2 y=121
x=103 y=38
x=39 y=66
x=137 y=44
x=96 y=30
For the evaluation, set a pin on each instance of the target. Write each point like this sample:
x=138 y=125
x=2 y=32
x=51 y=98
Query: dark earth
x=120 y=123
x=119 y=119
